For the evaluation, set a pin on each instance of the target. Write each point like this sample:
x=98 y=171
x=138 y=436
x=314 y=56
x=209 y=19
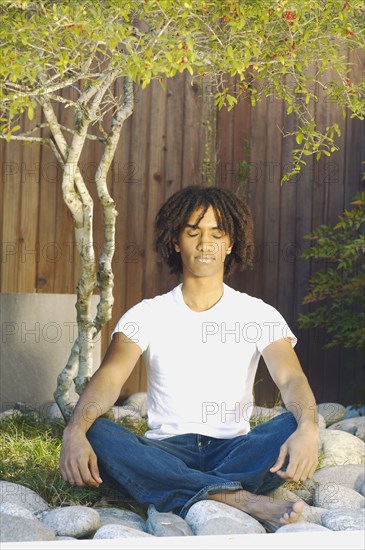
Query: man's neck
x=201 y=293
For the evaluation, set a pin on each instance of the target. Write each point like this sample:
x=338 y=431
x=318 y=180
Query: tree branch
x=42 y=141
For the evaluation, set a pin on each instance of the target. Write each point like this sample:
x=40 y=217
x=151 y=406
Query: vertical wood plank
x=11 y=247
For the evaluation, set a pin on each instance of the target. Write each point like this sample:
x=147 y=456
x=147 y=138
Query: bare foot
x=272 y=513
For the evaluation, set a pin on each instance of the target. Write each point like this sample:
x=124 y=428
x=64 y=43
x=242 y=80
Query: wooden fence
x=173 y=140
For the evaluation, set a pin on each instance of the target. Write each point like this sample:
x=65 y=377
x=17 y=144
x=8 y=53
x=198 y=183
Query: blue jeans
x=176 y=472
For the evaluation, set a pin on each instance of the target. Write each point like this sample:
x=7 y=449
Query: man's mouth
x=204 y=259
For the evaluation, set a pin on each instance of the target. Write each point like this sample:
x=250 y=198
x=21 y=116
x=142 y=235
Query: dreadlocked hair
x=233 y=216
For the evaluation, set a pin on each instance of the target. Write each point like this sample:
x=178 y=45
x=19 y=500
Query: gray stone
x=353 y=411
x=20 y=529
x=208 y=517
x=313 y=514
x=333 y=496
x=345 y=519
x=65 y=538
x=301 y=527
x=9 y=414
x=72 y=521
x=354 y=426
x=51 y=411
x=340 y=448
x=16 y=510
x=14 y=493
x=321 y=422
x=138 y=402
x=166 y=524
x=115 y=531
x=331 y=412
x=120 y=413
x=347 y=475
x=121 y=517
x=362 y=489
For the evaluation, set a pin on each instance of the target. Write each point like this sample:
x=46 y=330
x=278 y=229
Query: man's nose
x=207 y=247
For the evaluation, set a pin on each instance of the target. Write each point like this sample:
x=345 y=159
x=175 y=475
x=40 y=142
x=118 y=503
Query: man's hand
x=78 y=462
x=302 y=449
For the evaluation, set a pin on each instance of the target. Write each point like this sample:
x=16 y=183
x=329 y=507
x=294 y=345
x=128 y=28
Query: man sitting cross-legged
x=201 y=342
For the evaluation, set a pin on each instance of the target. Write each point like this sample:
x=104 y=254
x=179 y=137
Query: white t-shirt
x=201 y=365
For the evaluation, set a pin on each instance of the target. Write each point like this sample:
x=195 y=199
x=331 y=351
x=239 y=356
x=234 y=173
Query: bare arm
x=78 y=463
x=302 y=445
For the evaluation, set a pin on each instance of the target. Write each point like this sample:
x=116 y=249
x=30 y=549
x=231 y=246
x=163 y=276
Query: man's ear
x=229 y=249
x=176 y=245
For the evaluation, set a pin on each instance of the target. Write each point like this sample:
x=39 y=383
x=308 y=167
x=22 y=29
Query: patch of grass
x=29 y=455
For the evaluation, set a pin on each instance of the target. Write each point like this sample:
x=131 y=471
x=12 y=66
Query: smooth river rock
x=208 y=517
x=16 y=510
x=115 y=531
x=138 y=402
x=340 y=448
x=72 y=521
x=14 y=493
x=334 y=496
x=301 y=527
x=354 y=426
x=347 y=475
x=345 y=519
x=21 y=529
x=331 y=412
x=166 y=524
x=121 y=517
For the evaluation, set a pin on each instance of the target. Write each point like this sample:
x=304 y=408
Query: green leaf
x=30 y=112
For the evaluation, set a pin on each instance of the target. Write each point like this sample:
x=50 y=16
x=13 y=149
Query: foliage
x=278 y=48
x=29 y=455
x=338 y=291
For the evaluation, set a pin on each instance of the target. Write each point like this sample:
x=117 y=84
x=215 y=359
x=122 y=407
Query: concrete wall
x=38 y=331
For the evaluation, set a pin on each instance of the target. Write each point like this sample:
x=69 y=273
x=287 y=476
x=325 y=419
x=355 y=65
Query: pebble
x=14 y=493
x=72 y=521
x=334 y=496
x=208 y=517
x=340 y=448
x=301 y=527
x=121 y=517
x=21 y=529
x=331 y=412
x=346 y=519
x=166 y=524
x=115 y=531
x=354 y=426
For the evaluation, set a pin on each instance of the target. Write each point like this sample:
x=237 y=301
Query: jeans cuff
x=209 y=490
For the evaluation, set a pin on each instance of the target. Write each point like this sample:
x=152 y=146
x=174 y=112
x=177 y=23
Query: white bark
x=79 y=201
